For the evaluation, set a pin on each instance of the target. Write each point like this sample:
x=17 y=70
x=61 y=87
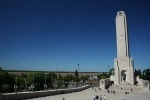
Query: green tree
x=135 y=73
x=76 y=76
x=68 y=78
x=104 y=76
x=147 y=74
x=6 y=81
x=99 y=77
x=60 y=77
x=38 y=80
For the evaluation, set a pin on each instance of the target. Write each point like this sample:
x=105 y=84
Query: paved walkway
x=89 y=93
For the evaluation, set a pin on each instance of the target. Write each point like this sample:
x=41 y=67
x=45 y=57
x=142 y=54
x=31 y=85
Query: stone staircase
x=125 y=87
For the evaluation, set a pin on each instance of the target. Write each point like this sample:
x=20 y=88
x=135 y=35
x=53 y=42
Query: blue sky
x=63 y=33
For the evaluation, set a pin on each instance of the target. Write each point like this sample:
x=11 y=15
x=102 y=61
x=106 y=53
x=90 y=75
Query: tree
x=6 y=81
x=147 y=74
x=76 y=76
x=99 y=77
x=68 y=78
x=104 y=76
x=51 y=78
x=60 y=77
x=38 y=80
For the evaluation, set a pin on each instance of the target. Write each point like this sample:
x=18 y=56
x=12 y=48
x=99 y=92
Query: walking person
x=100 y=97
x=63 y=99
x=94 y=97
x=104 y=97
x=114 y=92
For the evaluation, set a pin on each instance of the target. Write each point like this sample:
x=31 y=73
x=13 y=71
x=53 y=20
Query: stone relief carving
x=131 y=62
x=116 y=63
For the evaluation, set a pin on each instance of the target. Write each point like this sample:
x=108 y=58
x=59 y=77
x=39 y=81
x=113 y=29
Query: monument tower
x=123 y=64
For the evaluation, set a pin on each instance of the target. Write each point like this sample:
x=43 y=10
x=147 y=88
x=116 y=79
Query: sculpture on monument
x=123 y=64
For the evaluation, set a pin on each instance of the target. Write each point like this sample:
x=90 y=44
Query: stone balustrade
x=29 y=95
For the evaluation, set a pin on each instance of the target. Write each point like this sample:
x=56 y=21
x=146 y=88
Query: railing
x=29 y=95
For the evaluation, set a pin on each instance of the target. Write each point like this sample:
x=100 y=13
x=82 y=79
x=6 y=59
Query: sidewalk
x=89 y=93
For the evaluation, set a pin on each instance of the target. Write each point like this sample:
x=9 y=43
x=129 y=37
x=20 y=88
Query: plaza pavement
x=88 y=94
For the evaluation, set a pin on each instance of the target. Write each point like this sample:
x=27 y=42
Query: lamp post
x=45 y=85
x=32 y=86
x=108 y=68
x=55 y=80
x=75 y=78
x=78 y=67
x=16 y=86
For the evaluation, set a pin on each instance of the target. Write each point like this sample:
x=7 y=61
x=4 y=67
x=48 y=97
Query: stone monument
x=123 y=64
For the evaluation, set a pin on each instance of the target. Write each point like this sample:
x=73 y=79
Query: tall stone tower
x=123 y=64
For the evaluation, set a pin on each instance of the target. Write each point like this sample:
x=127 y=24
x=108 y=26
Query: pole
x=16 y=77
x=45 y=79
x=55 y=79
x=78 y=67
x=108 y=68
x=33 y=79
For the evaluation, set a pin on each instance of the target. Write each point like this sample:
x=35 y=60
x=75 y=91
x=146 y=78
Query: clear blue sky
x=63 y=33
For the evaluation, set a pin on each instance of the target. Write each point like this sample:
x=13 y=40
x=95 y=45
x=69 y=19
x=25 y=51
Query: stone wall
x=104 y=83
x=29 y=95
x=144 y=84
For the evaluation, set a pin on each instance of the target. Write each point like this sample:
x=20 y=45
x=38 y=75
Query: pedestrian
x=131 y=89
x=104 y=97
x=100 y=97
x=94 y=97
x=63 y=99
x=114 y=92
x=108 y=90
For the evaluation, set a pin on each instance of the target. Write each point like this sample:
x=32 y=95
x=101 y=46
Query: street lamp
x=32 y=86
x=16 y=86
x=78 y=67
x=55 y=79
x=108 y=68
x=45 y=85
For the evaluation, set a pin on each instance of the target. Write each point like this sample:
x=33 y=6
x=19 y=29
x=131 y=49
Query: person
x=63 y=99
x=104 y=97
x=131 y=89
x=94 y=97
x=100 y=97
x=108 y=90
x=92 y=88
x=114 y=92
